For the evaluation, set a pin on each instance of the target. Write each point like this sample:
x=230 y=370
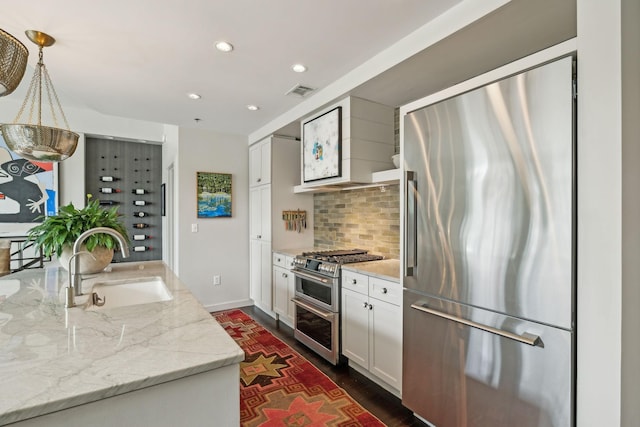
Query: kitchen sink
x=126 y=292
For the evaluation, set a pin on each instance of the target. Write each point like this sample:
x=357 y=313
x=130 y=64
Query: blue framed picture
x=213 y=194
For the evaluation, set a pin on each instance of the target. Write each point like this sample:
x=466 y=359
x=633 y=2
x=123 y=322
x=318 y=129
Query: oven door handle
x=326 y=316
x=310 y=276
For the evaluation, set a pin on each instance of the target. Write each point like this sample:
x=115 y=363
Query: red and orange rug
x=279 y=387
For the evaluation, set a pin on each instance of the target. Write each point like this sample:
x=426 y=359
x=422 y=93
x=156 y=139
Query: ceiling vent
x=300 y=90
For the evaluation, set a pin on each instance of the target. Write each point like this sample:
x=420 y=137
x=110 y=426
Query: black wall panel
x=132 y=165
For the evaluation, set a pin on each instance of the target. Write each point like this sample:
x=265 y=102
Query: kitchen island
x=162 y=363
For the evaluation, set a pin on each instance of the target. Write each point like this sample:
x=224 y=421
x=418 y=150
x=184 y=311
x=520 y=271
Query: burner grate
x=334 y=253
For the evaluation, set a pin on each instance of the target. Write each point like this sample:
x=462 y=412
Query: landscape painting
x=214 y=194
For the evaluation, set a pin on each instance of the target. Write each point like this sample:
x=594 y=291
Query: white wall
x=608 y=213
x=630 y=212
x=221 y=245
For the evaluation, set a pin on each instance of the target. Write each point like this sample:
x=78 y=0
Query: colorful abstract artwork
x=214 y=194
x=28 y=189
x=321 y=146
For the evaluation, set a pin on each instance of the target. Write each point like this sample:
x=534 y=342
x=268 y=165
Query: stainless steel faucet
x=75 y=278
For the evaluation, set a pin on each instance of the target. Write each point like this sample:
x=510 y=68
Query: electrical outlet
x=216 y=280
x=194 y=228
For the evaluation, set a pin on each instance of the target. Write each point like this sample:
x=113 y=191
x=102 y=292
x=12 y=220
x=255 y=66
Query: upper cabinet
x=260 y=163
x=345 y=143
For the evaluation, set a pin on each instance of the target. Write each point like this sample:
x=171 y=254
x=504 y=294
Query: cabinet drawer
x=280 y=260
x=385 y=290
x=355 y=281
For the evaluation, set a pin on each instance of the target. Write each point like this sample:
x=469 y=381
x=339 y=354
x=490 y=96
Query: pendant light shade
x=13 y=62
x=32 y=140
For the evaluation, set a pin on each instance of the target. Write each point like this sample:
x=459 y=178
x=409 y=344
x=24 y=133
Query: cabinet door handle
x=384 y=290
x=259 y=236
x=365 y=305
x=278 y=259
x=285 y=275
x=259 y=179
x=354 y=281
x=370 y=307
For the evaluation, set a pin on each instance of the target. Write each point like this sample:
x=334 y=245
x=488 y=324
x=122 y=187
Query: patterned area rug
x=279 y=387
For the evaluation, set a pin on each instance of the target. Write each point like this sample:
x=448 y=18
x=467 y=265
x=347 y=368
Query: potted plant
x=56 y=234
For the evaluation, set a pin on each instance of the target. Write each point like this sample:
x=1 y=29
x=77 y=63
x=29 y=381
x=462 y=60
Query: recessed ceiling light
x=194 y=96
x=252 y=107
x=224 y=46
x=298 y=68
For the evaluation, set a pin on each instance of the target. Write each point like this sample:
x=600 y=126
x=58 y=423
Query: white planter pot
x=88 y=265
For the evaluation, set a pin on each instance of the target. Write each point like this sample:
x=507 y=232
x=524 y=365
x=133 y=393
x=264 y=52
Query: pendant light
x=13 y=62
x=32 y=140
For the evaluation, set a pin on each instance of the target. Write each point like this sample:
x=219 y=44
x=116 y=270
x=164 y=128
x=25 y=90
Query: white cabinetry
x=372 y=327
x=283 y=287
x=260 y=163
x=274 y=169
x=260 y=213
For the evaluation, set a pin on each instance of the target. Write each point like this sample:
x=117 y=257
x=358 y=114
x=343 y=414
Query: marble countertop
x=52 y=358
x=388 y=269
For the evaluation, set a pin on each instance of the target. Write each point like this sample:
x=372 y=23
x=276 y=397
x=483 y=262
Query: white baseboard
x=228 y=305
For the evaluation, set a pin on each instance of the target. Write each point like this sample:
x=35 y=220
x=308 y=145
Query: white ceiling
x=140 y=58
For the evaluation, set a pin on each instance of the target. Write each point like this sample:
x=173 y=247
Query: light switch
x=194 y=228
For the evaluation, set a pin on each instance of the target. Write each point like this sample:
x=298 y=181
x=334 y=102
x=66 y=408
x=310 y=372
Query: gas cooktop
x=342 y=256
x=328 y=263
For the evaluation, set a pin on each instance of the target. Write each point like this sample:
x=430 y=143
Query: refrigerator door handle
x=526 y=338
x=410 y=223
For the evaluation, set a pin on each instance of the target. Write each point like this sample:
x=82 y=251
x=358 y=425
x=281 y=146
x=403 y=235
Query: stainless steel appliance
x=489 y=304
x=317 y=298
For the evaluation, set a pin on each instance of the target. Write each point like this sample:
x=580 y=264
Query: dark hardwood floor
x=378 y=401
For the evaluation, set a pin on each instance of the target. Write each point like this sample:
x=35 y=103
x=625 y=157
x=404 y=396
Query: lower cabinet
x=372 y=327
x=283 y=287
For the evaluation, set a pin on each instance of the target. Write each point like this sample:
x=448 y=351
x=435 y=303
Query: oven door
x=318 y=329
x=318 y=290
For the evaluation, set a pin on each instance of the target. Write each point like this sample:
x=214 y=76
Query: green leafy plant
x=57 y=231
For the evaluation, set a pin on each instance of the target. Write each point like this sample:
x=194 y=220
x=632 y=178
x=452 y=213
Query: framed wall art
x=213 y=194
x=322 y=146
x=28 y=190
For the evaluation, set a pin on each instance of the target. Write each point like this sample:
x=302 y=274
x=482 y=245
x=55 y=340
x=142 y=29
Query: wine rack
x=128 y=175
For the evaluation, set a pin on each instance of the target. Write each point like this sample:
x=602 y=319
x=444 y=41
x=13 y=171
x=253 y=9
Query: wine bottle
x=109 y=190
x=107 y=179
x=139 y=191
x=141 y=237
x=140 y=203
x=141 y=248
x=140 y=225
x=108 y=202
x=140 y=214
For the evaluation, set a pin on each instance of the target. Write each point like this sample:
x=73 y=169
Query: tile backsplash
x=364 y=218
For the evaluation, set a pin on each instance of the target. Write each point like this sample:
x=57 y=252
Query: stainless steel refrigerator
x=489 y=297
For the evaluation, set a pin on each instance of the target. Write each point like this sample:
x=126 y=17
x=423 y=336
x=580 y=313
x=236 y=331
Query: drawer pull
x=354 y=281
x=384 y=290
x=526 y=338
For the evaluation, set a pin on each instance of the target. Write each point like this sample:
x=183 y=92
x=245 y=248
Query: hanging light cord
x=34 y=93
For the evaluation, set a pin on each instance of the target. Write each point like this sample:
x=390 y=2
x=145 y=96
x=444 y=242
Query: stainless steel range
x=317 y=298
